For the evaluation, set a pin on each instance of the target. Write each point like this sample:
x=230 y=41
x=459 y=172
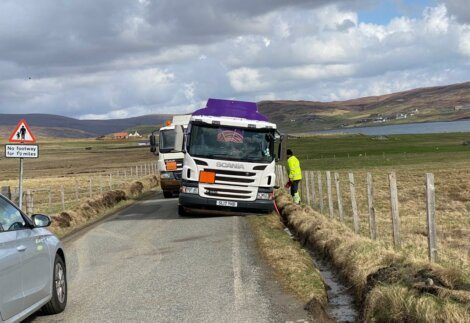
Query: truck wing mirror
x=179 y=139
x=153 y=143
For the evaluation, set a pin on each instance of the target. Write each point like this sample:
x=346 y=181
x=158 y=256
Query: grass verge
x=290 y=262
x=390 y=286
x=93 y=210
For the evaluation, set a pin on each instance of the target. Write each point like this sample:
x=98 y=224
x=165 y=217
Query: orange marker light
x=170 y=165
x=168 y=123
x=207 y=177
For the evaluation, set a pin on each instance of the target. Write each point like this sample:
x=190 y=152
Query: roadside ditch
x=385 y=285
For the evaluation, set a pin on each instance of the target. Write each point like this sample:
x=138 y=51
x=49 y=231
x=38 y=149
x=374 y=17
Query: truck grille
x=225 y=193
x=179 y=163
x=237 y=185
x=178 y=175
x=230 y=177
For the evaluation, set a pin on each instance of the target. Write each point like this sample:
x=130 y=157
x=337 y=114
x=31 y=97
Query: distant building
x=120 y=135
x=461 y=107
x=401 y=116
x=135 y=135
x=380 y=119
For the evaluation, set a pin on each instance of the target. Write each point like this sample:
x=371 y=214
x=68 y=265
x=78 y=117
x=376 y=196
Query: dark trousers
x=294 y=187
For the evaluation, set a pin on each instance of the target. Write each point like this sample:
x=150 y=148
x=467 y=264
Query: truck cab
x=170 y=161
x=229 y=160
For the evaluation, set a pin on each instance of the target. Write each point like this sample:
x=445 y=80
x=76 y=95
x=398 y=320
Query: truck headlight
x=189 y=190
x=264 y=196
x=166 y=175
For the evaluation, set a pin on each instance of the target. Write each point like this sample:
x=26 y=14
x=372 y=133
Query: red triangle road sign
x=22 y=134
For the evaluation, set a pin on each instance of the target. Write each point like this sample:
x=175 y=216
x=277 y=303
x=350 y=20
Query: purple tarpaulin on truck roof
x=230 y=108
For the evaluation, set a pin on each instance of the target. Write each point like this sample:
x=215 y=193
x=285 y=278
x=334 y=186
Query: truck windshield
x=227 y=143
x=167 y=140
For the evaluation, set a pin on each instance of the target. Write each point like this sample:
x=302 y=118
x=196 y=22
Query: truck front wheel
x=167 y=194
x=182 y=211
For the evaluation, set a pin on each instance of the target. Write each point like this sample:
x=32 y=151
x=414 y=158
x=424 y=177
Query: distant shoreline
x=404 y=128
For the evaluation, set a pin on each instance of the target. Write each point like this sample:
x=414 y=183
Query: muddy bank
x=386 y=284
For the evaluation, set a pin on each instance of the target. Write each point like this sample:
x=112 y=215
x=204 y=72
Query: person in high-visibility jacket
x=295 y=175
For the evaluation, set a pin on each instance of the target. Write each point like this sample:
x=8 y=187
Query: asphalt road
x=147 y=264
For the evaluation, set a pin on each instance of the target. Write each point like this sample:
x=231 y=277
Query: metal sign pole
x=20 y=186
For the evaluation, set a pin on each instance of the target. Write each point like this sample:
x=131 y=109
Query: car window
x=10 y=217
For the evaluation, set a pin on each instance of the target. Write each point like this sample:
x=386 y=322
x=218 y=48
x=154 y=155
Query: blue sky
x=122 y=58
x=383 y=11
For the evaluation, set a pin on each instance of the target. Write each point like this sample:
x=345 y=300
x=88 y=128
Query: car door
x=36 y=265
x=11 y=291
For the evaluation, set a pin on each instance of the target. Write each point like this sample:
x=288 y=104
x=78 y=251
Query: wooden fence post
x=312 y=187
x=370 y=201
x=50 y=199
x=431 y=217
x=77 y=196
x=340 y=198
x=320 y=191
x=6 y=191
x=62 y=198
x=90 y=187
x=110 y=182
x=307 y=188
x=392 y=178
x=101 y=184
x=29 y=202
x=277 y=182
x=330 y=195
x=352 y=189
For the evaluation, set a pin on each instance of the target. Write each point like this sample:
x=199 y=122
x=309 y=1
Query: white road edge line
x=237 y=275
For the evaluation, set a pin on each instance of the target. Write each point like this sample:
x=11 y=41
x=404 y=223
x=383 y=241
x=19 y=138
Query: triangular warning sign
x=22 y=133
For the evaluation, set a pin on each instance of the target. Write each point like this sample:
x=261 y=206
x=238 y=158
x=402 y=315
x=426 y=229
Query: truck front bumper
x=199 y=204
x=170 y=184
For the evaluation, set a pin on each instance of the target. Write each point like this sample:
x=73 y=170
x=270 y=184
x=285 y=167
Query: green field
x=423 y=151
x=410 y=156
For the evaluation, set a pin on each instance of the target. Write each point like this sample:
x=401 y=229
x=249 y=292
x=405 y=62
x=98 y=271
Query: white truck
x=170 y=161
x=229 y=159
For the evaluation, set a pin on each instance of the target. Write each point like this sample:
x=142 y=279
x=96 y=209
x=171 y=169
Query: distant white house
x=135 y=135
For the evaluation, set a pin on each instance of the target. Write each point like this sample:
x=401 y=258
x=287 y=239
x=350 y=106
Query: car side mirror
x=41 y=220
x=153 y=143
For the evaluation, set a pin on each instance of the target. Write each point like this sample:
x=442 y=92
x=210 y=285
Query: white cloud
x=464 y=41
x=246 y=80
x=124 y=57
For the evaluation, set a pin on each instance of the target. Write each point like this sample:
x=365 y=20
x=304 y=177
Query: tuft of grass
x=392 y=286
x=291 y=263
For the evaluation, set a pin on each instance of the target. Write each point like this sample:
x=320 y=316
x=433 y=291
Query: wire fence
x=408 y=212
x=52 y=195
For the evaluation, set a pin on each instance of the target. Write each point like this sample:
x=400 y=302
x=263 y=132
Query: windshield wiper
x=223 y=156
x=258 y=159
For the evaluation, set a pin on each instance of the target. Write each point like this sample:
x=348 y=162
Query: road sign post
x=23 y=148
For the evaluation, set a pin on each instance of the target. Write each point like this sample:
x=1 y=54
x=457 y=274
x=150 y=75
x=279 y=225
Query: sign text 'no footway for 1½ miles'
x=21 y=151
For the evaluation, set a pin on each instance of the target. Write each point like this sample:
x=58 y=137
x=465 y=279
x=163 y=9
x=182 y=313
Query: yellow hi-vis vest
x=293 y=167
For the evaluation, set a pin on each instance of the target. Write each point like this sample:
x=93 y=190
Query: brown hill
x=440 y=103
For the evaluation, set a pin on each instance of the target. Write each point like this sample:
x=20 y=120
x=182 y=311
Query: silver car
x=32 y=265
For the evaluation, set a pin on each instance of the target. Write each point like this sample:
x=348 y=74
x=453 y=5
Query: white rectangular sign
x=21 y=151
